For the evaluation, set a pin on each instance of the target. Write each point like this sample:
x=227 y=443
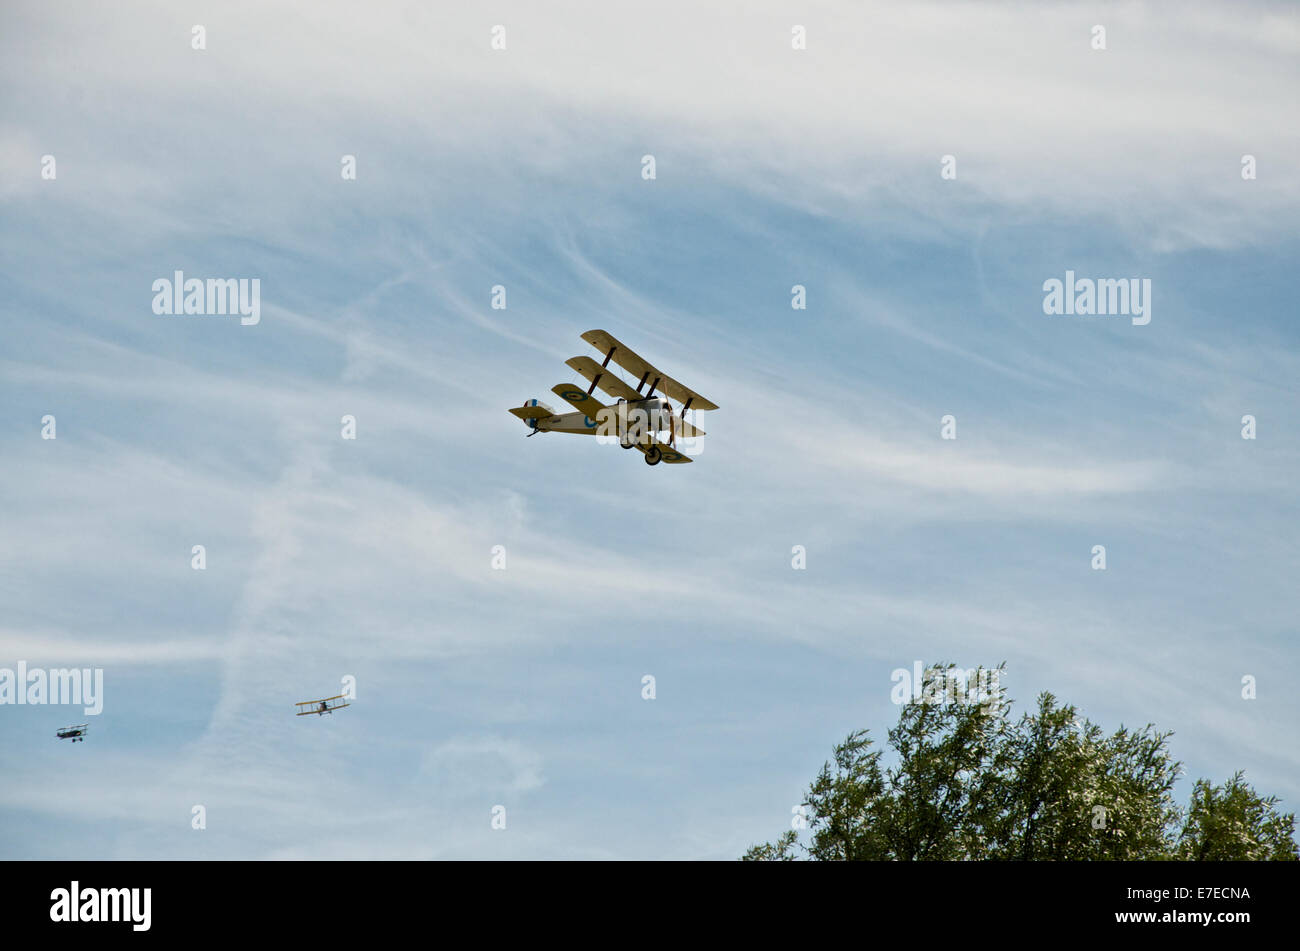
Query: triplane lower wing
x=320 y=707
x=638 y=415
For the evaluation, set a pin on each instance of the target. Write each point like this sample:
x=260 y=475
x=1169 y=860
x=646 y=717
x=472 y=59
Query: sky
x=524 y=167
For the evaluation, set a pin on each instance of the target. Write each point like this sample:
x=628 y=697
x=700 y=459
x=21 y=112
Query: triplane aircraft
x=636 y=419
x=320 y=707
x=77 y=734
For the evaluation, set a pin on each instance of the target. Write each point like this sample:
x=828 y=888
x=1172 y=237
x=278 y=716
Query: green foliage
x=1232 y=823
x=970 y=784
x=782 y=850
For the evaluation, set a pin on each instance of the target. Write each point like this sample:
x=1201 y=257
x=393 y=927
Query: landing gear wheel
x=627 y=445
x=653 y=455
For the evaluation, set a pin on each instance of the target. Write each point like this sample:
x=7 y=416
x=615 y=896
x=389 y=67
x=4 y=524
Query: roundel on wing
x=589 y=422
x=670 y=455
x=573 y=394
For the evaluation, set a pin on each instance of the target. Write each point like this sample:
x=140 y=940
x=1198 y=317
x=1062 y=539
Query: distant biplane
x=320 y=707
x=636 y=418
x=77 y=734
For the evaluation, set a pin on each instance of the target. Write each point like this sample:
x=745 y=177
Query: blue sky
x=522 y=167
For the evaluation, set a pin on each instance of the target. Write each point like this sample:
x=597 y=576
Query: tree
x=1232 y=823
x=969 y=784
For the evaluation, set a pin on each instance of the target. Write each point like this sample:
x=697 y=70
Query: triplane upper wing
x=629 y=361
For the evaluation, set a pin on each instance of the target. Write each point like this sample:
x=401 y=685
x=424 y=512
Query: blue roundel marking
x=573 y=394
x=588 y=422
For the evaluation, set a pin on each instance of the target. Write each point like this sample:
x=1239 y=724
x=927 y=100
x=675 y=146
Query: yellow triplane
x=635 y=419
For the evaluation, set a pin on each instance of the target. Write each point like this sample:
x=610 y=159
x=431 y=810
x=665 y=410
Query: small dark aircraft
x=319 y=707
x=77 y=734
